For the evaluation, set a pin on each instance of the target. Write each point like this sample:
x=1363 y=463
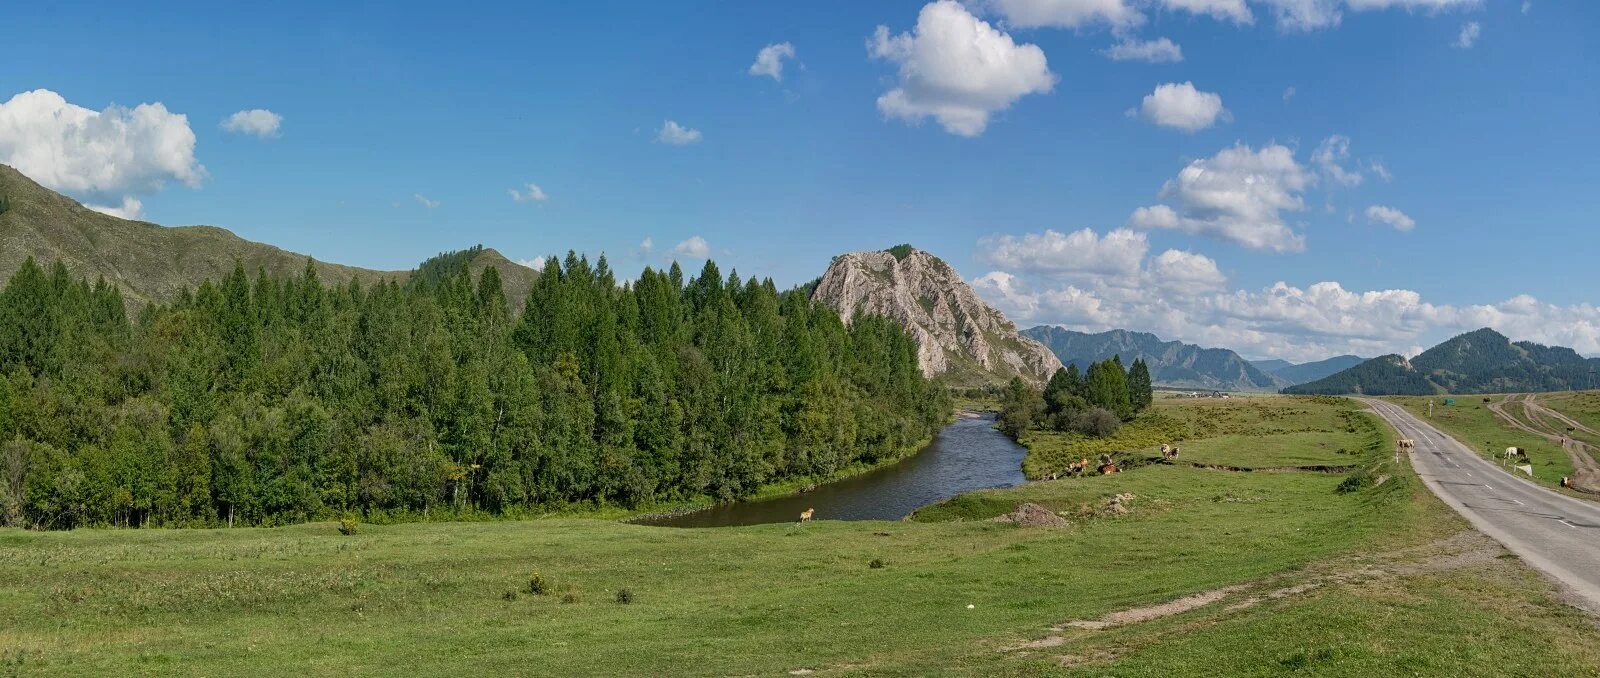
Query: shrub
x=625 y=596
x=348 y=525
x=1354 y=482
x=509 y=595
x=536 y=583
x=876 y=564
x=1095 y=421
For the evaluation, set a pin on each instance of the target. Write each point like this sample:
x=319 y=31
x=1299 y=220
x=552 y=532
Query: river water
x=966 y=455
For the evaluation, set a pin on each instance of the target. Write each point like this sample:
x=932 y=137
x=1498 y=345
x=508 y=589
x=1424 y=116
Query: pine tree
x=1140 y=392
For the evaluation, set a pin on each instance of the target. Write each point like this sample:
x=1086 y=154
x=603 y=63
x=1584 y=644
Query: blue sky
x=1486 y=136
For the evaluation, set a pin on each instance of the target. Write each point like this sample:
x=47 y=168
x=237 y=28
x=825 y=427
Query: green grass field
x=1471 y=422
x=1380 y=580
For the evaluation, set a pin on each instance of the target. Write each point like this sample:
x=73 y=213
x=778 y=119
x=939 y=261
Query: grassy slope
x=424 y=599
x=1471 y=422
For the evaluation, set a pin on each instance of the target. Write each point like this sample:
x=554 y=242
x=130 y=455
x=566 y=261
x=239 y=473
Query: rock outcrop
x=957 y=333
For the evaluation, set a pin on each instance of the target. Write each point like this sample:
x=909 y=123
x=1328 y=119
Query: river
x=966 y=455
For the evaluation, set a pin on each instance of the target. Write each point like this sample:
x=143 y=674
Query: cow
x=1170 y=451
x=1108 y=469
x=805 y=516
x=1516 y=453
x=1408 y=444
x=1566 y=482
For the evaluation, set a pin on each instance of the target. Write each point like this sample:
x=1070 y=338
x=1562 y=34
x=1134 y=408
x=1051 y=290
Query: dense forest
x=1094 y=402
x=258 y=400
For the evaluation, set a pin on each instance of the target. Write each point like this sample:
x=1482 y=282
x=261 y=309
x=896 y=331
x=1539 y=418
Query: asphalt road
x=1556 y=534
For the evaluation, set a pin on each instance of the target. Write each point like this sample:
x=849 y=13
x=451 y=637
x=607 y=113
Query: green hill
x=1172 y=363
x=150 y=262
x=1481 y=361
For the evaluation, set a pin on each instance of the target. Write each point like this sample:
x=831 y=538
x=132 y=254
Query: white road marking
x=1564 y=522
x=1519 y=503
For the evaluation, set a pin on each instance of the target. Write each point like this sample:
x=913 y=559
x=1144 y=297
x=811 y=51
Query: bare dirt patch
x=1033 y=515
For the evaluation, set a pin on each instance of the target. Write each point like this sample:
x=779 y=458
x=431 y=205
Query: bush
x=1095 y=421
x=509 y=595
x=1354 y=482
x=536 y=584
x=876 y=564
x=625 y=596
x=348 y=525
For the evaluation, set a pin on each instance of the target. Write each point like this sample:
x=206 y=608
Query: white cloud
x=1237 y=195
x=1383 y=214
x=1158 y=51
x=1118 y=14
x=769 y=61
x=1304 y=15
x=957 y=69
x=1181 y=106
x=130 y=208
x=1380 y=170
x=1413 y=5
x=100 y=156
x=536 y=263
x=1221 y=10
x=1288 y=94
x=1186 y=272
x=1119 y=253
x=645 y=247
x=532 y=194
x=1469 y=35
x=1330 y=156
x=256 y=121
x=1527 y=6
x=695 y=247
x=677 y=135
x=424 y=201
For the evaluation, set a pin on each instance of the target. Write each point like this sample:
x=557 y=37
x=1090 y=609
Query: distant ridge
x=149 y=262
x=1481 y=361
x=1172 y=363
x=1301 y=373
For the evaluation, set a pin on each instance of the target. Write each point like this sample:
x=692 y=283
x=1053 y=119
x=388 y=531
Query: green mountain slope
x=150 y=262
x=1312 y=371
x=1481 y=361
x=1172 y=363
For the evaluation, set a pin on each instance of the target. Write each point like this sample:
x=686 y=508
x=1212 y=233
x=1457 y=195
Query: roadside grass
x=1471 y=422
x=1584 y=406
x=434 y=598
x=1275 y=451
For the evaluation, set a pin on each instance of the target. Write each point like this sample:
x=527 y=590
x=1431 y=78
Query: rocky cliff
x=958 y=334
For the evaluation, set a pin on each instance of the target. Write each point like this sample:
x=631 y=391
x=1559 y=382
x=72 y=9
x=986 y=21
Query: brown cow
x=805 y=516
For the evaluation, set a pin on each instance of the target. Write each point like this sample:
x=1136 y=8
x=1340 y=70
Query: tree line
x=1094 y=402
x=268 y=401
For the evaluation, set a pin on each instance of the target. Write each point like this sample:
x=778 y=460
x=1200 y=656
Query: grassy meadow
x=1324 y=573
x=1472 y=422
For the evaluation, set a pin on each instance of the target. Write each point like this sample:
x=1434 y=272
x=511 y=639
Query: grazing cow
x=1408 y=444
x=805 y=516
x=1170 y=451
x=1516 y=453
x=1566 y=482
x=1108 y=469
x=1165 y=450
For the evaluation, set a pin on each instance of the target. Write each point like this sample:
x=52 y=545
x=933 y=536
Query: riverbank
x=1199 y=572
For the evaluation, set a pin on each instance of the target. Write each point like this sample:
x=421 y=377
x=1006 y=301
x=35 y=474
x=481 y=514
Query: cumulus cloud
x=695 y=247
x=532 y=194
x=1187 y=299
x=769 y=61
x=646 y=246
x=1237 y=195
x=1118 y=14
x=536 y=263
x=677 y=135
x=104 y=157
x=424 y=200
x=1469 y=35
x=957 y=69
x=130 y=208
x=1330 y=157
x=256 y=121
x=1383 y=214
x=1221 y=10
x=1158 y=51
x=1181 y=106
x=1118 y=253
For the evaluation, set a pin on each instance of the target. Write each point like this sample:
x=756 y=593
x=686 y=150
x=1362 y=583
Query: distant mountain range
x=149 y=262
x=958 y=335
x=1171 y=363
x=1482 y=361
x=1301 y=373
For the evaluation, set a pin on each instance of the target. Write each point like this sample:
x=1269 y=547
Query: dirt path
x=1581 y=454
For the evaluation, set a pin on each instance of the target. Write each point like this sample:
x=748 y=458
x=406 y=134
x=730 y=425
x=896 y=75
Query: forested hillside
x=260 y=400
x=1481 y=361
x=1171 y=363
